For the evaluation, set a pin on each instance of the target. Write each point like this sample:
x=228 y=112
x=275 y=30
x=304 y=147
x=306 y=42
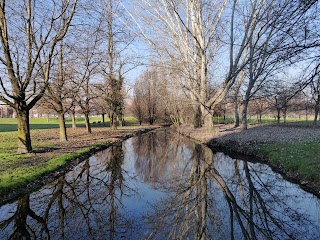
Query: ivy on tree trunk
x=24 y=140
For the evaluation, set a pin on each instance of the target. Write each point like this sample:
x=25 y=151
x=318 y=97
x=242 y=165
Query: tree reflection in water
x=163 y=186
x=216 y=197
x=86 y=204
x=21 y=229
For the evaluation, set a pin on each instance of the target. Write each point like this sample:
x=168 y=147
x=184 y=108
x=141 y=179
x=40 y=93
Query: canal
x=161 y=185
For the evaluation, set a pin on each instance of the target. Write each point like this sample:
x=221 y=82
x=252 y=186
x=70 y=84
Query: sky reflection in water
x=163 y=186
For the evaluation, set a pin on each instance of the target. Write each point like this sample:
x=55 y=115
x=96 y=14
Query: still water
x=161 y=185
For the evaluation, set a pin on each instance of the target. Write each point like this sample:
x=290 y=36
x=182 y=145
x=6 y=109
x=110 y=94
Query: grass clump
x=301 y=158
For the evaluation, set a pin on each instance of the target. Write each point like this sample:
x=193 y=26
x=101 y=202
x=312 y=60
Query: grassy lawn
x=301 y=158
x=16 y=170
x=10 y=124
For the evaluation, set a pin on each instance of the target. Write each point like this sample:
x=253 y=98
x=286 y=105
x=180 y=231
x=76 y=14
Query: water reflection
x=212 y=200
x=163 y=186
x=20 y=227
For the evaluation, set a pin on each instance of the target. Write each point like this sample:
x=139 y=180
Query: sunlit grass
x=25 y=173
x=10 y=124
x=8 y=142
x=302 y=158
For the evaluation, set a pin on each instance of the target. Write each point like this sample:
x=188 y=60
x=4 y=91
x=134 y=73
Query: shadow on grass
x=14 y=127
x=45 y=149
x=38 y=126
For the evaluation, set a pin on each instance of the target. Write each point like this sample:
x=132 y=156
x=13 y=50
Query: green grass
x=26 y=173
x=302 y=158
x=227 y=120
x=10 y=124
x=230 y=120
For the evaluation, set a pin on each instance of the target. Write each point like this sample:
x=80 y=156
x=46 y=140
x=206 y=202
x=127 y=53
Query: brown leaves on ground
x=47 y=144
x=284 y=133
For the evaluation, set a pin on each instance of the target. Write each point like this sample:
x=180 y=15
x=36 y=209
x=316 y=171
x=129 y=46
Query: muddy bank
x=246 y=144
x=12 y=194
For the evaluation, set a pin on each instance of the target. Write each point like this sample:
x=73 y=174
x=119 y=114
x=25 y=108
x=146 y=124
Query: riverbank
x=21 y=173
x=290 y=149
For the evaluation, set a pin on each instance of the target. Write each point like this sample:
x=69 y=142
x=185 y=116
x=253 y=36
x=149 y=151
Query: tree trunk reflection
x=192 y=213
x=21 y=228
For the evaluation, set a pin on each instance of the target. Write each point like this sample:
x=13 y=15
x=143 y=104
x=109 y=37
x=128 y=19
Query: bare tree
x=192 y=33
x=116 y=61
x=60 y=91
x=137 y=106
x=86 y=67
x=315 y=92
x=280 y=95
x=273 y=28
x=99 y=103
x=85 y=96
x=237 y=97
x=316 y=97
x=29 y=33
x=258 y=106
x=151 y=96
x=73 y=92
x=145 y=96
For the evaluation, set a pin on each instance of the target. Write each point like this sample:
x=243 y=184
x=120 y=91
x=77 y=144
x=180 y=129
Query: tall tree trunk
x=110 y=118
x=151 y=119
x=249 y=88
x=121 y=121
x=238 y=85
x=260 y=117
x=236 y=114
x=87 y=120
x=113 y=121
x=197 y=118
x=103 y=119
x=284 y=115
x=24 y=139
x=244 y=124
x=73 y=118
x=62 y=127
x=316 y=111
x=208 y=121
x=278 y=115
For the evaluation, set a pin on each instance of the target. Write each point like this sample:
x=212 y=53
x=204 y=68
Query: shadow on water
x=163 y=186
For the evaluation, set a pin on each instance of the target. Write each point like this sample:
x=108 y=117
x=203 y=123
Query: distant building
x=7 y=111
